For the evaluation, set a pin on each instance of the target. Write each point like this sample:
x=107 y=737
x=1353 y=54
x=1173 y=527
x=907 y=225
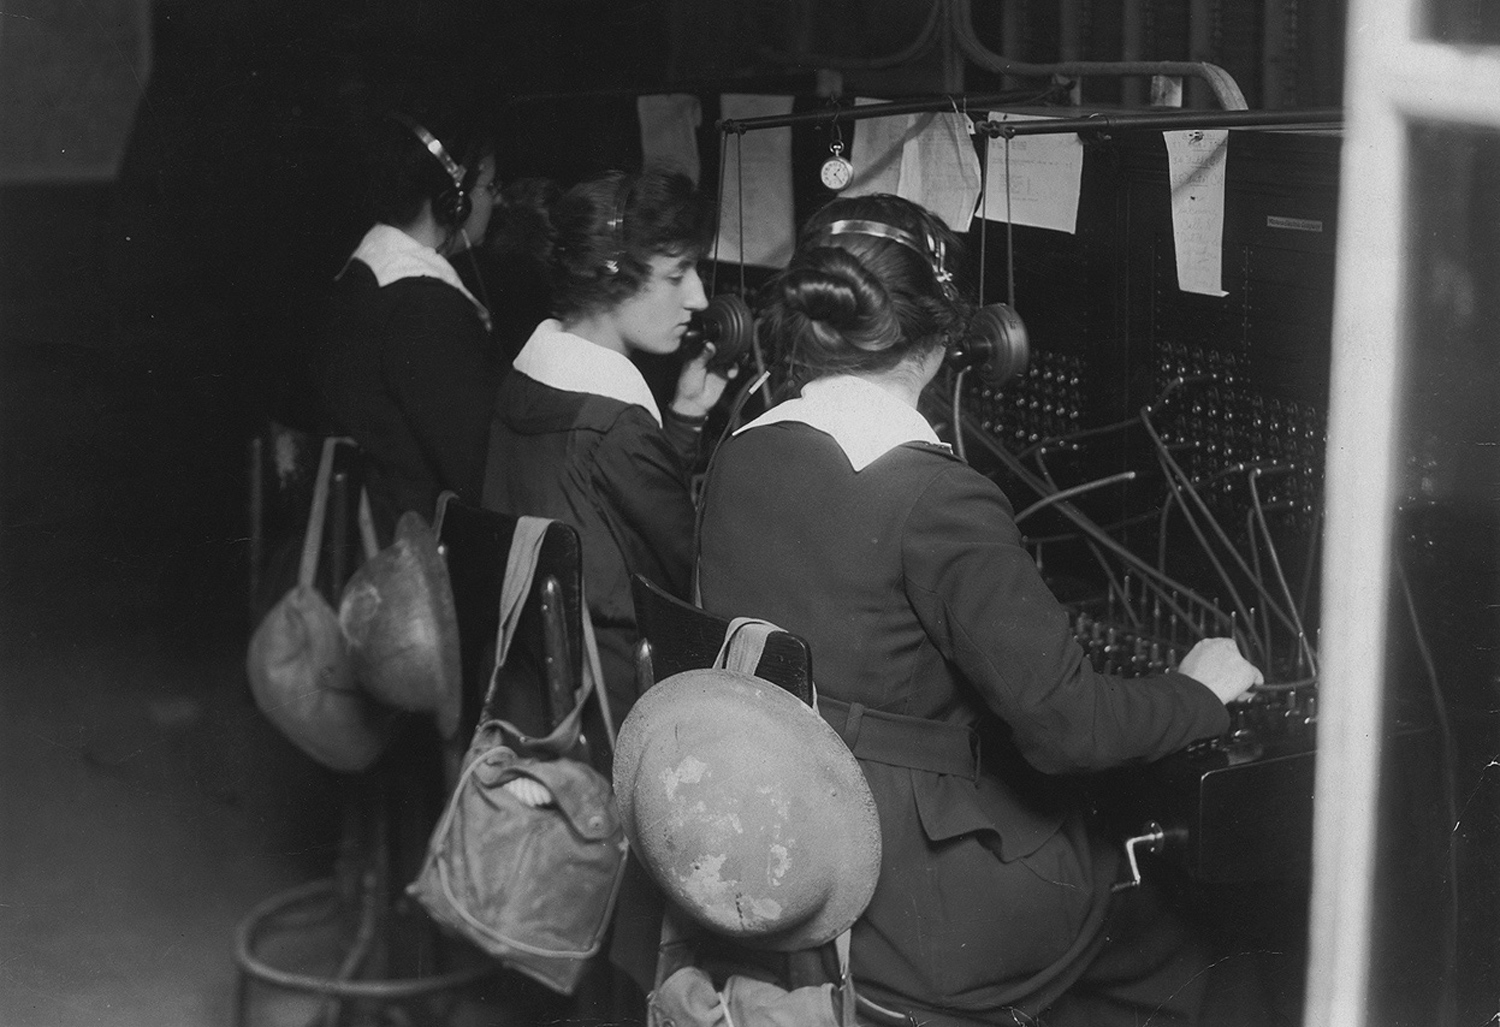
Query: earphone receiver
x=994 y=345
x=725 y=322
x=451 y=206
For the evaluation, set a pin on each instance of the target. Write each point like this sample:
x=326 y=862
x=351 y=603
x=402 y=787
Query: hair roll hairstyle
x=605 y=231
x=854 y=301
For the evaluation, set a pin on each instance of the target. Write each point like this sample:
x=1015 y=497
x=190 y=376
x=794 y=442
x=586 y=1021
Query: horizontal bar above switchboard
x=1098 y=122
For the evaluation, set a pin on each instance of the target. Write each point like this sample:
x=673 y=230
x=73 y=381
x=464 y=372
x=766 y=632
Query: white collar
x=865 y=419
x=572 y=363
x=393 y=255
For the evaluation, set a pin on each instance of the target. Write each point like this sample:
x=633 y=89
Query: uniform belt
x=899 y=741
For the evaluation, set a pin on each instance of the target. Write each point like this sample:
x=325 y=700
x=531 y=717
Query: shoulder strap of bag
x=443 y=499
x=367 y=525
x=520 y=571
x=744 y=642
x=848 y=1007
x=312 y=541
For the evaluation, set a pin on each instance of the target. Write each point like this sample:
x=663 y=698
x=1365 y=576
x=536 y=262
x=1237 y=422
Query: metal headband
x=616 y=225
x=437 y=149
x=933 y=252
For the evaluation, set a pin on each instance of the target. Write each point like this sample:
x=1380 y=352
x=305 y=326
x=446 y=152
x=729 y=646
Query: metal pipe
x=1156 y=120
x=945 y=102
x=1162 y=121
x=1224 y=87
x=1277 y=47
x=1132 y=48
x=1203 y=18
x=923 y=42
x=1070 y=40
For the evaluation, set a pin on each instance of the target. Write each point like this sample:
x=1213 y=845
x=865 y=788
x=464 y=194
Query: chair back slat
x=678 y=636
x=545 y=662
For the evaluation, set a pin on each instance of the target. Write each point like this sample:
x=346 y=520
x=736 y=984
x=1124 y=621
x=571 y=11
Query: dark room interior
x=160 y=286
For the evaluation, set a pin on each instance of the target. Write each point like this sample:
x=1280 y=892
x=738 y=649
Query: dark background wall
x=147 y=322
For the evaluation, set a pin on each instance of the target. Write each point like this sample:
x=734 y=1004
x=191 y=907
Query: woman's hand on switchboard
x=1217 y=663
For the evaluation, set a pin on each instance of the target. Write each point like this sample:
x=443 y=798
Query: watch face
x=837 y=172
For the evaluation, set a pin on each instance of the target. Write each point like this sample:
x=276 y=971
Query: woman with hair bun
x=577 y=434
x=839 y=515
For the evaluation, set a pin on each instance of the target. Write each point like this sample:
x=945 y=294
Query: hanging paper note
x=757 y=185
x=939 y=168
x=1195 y=167
x=669 y=131
x=876 y=155
x=926 y=158
x=1033 y=180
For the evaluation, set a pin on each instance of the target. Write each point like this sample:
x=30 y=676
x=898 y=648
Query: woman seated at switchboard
x=943 y=660
x=577 y=434
x=409 y=367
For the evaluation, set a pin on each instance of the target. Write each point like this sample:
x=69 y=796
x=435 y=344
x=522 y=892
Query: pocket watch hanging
x=836 y=170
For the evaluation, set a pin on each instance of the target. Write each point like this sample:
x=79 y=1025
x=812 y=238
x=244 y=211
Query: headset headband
x=616 y=225
x=934 y=252
x=436 y=148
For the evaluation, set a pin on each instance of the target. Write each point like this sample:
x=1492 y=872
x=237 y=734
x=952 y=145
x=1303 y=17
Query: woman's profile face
x=654 y=318
x=482 y=204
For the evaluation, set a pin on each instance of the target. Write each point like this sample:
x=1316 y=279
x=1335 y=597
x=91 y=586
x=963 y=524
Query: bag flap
x=950 y=806
x=688 y=999
x=758 y=1003
x=583 y=795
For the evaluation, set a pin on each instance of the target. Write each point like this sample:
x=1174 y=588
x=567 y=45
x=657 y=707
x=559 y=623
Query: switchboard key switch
x=1140 y=663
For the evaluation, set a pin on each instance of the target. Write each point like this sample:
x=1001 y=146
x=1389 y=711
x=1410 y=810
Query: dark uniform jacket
x=409 y=370
x=607 y=468
x=909 y=580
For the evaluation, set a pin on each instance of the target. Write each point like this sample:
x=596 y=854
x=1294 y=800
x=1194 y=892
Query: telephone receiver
x=725 y=322
x=994 y=345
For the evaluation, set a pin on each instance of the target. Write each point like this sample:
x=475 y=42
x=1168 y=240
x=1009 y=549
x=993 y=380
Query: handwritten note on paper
x=1041 y=183
x=939 y=168
x=926 y=158
x=1195 y=168
x=879 y=144
x=761 y=162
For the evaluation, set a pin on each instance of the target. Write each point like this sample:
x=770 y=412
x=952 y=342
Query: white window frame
x=1394 y=79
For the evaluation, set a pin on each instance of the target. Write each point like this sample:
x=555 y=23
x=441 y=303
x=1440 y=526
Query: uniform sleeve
x=684 y=434
x=642 y=474
x=981 y=599
x=441 y=368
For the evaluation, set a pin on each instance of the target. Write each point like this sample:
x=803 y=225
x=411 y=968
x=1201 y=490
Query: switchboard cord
x=1116 y=588
x=1168 y=588
x=958 y=413
x=1180 y=483
x=1162 y=398
x=1259 y=509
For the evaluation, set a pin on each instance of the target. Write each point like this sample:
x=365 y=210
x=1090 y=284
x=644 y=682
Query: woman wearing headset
x=578 y=434
x=942 y=658
x=409 y=368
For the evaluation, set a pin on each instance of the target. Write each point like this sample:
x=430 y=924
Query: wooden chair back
x=677 y=636
x=545 y=663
